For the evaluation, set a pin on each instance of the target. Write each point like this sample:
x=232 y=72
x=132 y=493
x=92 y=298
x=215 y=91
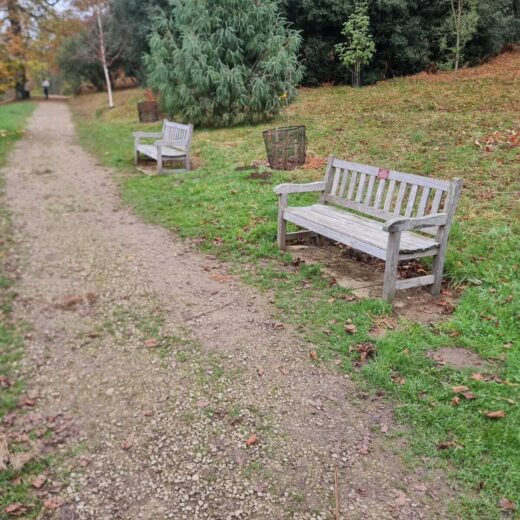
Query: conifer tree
x=223 y=62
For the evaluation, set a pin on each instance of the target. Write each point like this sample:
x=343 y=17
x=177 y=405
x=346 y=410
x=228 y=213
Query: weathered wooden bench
x=172 y=144
x=388 y=214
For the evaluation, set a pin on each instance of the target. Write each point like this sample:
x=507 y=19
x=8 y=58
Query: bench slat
x=411 y=201
x=370 y=189
x=423 y=202
x=343 y=183
x=379 y=194
x=352 y=185
x=389 y=196
x=361 y=187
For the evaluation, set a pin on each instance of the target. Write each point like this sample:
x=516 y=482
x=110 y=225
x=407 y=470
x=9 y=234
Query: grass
x=444 y=126
x=15 y=485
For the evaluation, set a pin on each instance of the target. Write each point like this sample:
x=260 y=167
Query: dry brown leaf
x=4 y=452
x=478 y=377
x=128 y=443
x=420 y=487
x=252 y=440
x=284 y=371
x=384 y=428
x=151 y=343
x=499 y=414
x=350 y=328
x=53 y=503
x=6 y=382
x=460 y=389
x=398 y=380
x=261 y=371
x=203 y=403
x=469 y=396
x=455 y=401
x=507 y=505
x=15 y=509
x=19 y=460
x=314 y=355
x=401 y=498
x=39 y=481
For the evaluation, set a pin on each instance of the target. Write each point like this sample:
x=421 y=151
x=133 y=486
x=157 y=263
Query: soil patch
x=459 y=358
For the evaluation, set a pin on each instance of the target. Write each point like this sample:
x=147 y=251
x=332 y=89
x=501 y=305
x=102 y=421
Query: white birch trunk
x=103 y=56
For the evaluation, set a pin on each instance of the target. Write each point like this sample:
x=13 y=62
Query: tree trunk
x=14 y=37
x=103 y=57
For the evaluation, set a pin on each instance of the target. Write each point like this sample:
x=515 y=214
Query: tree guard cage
x=148 y=111
x=285 y=147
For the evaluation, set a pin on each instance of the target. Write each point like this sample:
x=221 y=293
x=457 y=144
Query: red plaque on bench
x=383 y=174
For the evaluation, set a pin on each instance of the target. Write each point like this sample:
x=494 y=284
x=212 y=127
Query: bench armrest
x=403 y=224
x=282 y=189
x=149 y=135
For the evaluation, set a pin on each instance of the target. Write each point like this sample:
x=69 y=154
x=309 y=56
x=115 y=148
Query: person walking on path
x=45 y=85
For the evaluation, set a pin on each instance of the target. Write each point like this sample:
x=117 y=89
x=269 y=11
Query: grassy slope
x=434 y=126
x=16 y=486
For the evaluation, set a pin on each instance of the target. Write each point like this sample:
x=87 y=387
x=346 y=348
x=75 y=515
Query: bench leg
x=159 y=164
x=136 y=158
x=282 y=223
x=438 y=269
x=392 y=262
x=188 y=163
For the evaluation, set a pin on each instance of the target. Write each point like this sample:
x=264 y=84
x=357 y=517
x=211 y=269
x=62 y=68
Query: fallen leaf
x=6 y=382
x=401 y=499
x=460 y=389
x=147 y=413
x=15 y=509
x=284 y=371
x=507 y=505
x=384 y=428
x=39 y=481
x=261 y=371
x=478 y=377
x=500 y=414
x=27 y=401
x=20 y=459
x=127 y=443
x=203 y=403
x=4 y=452
x=221 y=278
x=53 y=503
x=252 y=440
x=455 y=401
x=314 y=355
x=420 y=487
x=399 y=380
x=469 y=396
x=151 y=343
x=350 y=328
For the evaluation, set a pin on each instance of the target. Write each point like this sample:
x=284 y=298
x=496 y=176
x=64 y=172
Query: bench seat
x=356 y=231
x=150 y=150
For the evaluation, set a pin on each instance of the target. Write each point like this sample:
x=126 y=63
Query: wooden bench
x=388 y=214
x=172 y=144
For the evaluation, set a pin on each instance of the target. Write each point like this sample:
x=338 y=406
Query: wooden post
x=159 y=159
x=392 y=261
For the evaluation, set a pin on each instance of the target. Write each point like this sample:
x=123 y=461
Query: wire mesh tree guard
x=285 y=147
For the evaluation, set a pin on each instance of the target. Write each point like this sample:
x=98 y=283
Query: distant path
x=168 y=365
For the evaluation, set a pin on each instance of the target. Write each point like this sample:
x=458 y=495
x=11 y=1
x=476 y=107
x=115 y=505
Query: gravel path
x=168 y=366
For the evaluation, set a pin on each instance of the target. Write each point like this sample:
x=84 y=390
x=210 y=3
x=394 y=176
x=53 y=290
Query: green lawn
x=443 y=127
x=15 y=485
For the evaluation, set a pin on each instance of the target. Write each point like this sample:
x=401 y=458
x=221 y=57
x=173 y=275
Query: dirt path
x=167 y=366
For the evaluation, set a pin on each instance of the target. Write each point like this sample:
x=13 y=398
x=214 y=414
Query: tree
x=107 y=53
x=129 y=28
x=359 y=47
x=19 y=21
x=223 y=62
x=462 y=24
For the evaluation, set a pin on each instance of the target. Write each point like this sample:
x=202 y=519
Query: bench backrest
x=177 y=135
x=387 y=194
